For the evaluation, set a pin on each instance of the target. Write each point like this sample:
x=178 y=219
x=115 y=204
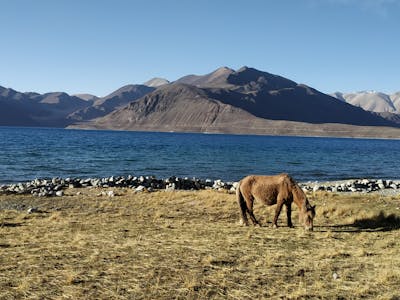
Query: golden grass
x=187 y=245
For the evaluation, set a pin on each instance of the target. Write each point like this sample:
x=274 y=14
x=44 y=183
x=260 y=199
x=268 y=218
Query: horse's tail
x=242 y=204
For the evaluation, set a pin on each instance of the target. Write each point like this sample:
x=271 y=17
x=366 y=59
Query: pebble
x=32 y=210
x=140 y=188
x=386 y=187
x=55 y=186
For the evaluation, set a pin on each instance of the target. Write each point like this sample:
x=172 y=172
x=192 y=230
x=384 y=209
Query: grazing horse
x=279 y=189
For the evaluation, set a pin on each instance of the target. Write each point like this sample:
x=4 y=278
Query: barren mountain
x=243 y=101
x=218 y=78
x=383 y=105
x=395 y=118
x=33 y=109
x=396 y=101
x=224 y=101
x=156 y=82
x=87 y=97
x=273 y=97
x=372 y=101
x=59 y=109
x=107 y=104
x=172 y=107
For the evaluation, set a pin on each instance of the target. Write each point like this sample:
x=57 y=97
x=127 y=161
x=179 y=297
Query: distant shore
x=55 y=186
x=265 y=128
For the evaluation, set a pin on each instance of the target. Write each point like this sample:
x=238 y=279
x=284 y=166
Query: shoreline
x=49 y=187
x=334 y=135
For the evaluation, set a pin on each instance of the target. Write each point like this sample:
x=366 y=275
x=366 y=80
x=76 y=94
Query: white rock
x=32 y=210
x=140 y=188
x=170 y=187
x=365 y=182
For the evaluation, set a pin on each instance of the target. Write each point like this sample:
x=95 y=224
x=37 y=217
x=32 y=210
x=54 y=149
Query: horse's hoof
x=274 y=226
x=241 y=223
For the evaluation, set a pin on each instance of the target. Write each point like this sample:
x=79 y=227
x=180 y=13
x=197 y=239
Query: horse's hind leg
x=243 y=211
x=250 y=202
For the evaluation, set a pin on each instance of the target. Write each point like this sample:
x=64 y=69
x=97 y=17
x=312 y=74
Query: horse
x=277 y=189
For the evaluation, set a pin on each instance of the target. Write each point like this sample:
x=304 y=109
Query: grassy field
x=188 y=245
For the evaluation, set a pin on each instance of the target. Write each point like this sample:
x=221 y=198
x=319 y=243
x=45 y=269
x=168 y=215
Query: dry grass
x=187 y=245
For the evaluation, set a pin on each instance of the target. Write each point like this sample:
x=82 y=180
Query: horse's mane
x=299 y=196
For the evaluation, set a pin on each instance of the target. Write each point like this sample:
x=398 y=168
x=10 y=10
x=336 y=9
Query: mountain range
x=372 y=101
x=384 y=105
x=224 y=101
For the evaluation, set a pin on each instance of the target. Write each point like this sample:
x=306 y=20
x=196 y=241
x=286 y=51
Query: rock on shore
x=354 y=185
x=55 y=186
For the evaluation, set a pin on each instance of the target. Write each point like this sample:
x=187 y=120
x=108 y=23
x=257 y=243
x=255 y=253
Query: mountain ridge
x=372 y=100
x=223 y=101
x=242 y=101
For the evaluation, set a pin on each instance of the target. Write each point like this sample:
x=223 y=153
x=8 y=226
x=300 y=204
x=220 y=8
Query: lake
x=28 y=153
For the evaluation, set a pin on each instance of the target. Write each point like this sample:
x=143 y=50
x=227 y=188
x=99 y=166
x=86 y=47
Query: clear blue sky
x=96 y=46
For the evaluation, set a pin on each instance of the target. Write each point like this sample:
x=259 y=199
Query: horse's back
x=253 y=180
x=264 y=187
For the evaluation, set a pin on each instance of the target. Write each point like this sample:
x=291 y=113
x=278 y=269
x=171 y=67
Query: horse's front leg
x=277 y=212
x=289 y=214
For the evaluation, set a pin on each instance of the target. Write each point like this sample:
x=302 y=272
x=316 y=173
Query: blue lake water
x=28 y=153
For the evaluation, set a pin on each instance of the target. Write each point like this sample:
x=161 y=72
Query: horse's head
x=307 y=215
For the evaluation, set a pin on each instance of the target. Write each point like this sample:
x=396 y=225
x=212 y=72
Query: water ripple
x=26 y=153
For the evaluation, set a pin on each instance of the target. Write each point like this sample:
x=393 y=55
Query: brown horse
x=279 y=189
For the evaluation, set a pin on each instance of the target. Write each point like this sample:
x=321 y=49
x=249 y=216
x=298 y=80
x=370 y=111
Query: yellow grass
x=188 y=245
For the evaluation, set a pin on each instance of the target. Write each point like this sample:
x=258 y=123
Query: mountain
x=156 y=82
x=273 y=97
x=15 y=108
x=59 y=109
x=33 y=109
x=87 y=97
x=383 y=105
x=245 y=101
x=105 y=105
x=242 y=101
x=173 y=107
x=395 y=118
x=372 y=101
x=53 y=108
x=218 y=78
